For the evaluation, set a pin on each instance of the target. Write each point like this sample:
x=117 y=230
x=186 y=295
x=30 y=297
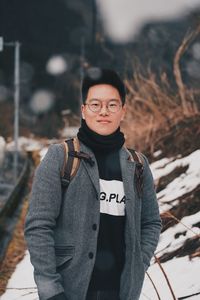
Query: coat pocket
x=64 y=255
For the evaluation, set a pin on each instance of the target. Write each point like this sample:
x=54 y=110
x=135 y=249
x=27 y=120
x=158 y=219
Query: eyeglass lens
x=96 y=105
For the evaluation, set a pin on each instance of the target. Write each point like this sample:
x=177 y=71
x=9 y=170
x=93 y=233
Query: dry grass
x=153 y=107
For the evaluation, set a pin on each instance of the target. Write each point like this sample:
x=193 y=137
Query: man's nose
x=104 y=110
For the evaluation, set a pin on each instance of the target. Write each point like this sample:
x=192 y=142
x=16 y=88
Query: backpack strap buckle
x=82 y=155
x=65 y=182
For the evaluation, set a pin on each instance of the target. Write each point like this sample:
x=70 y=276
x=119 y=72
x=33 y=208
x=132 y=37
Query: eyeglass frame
x=107 y=108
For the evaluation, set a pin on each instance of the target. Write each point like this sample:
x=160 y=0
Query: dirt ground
x=15 y=251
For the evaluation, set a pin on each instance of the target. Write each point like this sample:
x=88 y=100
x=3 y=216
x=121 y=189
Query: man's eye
x=113 y=104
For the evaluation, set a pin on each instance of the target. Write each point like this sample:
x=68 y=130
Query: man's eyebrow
x=110 y=99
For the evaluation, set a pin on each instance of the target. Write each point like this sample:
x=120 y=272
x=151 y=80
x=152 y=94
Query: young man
x=95 y=240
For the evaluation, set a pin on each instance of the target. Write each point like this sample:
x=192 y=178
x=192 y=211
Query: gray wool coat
x=59 y=231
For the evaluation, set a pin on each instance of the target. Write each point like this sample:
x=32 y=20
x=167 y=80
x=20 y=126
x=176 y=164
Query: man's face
x=102 y=100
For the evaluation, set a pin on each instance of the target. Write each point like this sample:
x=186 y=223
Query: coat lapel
x=92 y=171
x=128 y=171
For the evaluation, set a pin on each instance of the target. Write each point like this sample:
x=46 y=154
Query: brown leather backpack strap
x=68 y=163
x=137 y=157
x=72 y=157
x=76 y=160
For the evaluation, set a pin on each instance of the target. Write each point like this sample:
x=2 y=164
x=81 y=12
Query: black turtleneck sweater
x=110 y=245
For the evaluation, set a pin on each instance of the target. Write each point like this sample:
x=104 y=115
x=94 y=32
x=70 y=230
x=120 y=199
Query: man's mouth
x=104 y=121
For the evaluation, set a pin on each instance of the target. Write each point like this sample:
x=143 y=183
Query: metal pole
x=16 y=102
x=94 y=25
x=82 y=57
x=82 y=61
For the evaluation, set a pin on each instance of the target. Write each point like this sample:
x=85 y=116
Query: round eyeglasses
x=112 y=105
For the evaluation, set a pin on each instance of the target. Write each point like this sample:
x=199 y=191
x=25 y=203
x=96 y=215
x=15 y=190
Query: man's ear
x=82 y=111
x=123 y=112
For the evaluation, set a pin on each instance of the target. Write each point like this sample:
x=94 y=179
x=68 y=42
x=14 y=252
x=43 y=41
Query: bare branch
x=177 y=73
x=154 y=286
x=166 y=278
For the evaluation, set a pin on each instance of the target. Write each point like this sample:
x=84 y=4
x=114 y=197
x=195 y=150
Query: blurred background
x=45 y=48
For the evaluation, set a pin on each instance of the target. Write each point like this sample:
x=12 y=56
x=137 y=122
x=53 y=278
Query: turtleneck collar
x=97 y=142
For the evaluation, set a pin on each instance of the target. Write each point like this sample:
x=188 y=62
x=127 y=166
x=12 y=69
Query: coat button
x=94 y=226
x=91 y=255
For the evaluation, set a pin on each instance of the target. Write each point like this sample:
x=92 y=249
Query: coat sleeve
x=150 y=218
x=40 y=222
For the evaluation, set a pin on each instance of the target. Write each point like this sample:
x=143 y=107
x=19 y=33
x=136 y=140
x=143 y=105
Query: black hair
x=96 y=76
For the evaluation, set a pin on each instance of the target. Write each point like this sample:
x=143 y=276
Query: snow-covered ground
x=21 y=285
x=182 y=273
